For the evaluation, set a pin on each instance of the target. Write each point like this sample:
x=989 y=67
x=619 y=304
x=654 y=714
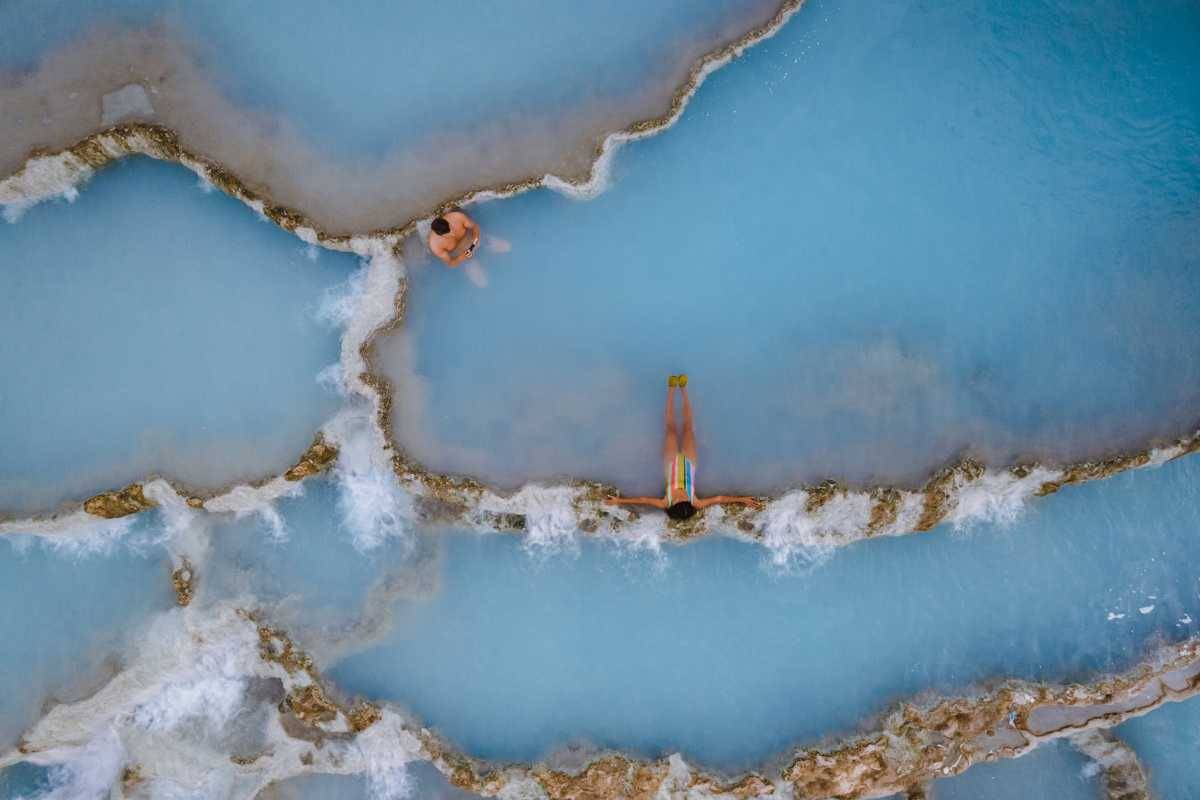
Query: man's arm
x=657 y=502
x=725 y=499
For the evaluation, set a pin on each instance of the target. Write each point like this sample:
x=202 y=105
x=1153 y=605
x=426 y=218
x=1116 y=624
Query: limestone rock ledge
x=121 y=503
x=319 y=455
x=916 y=743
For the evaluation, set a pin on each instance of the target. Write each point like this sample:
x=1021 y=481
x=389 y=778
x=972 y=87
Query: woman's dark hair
x=440 y=226
x=681 y=510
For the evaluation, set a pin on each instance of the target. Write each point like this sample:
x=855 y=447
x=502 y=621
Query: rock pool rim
x=456 y=494
x=905 y=747
x=459 y=498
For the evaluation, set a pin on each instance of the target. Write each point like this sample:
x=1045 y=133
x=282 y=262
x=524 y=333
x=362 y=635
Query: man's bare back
x=448 y=232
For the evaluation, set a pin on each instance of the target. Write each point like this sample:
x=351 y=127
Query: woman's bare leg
x=670 y=439
x=689 y=428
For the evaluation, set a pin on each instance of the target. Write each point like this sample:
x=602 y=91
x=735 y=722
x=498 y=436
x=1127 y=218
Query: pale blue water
x=66 y=619
x=889 y=235
x=392 y=74
x=427 y=784
x=151 y=327
x=315 y=580
x=715 y=655
x=1054 y=771
x=1168 y=743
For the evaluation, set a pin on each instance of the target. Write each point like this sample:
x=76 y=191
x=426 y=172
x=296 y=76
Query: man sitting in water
x=447 y=232
x=679 y=465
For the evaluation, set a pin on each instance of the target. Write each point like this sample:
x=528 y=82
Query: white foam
x=797 y=537
x=373 y=506
x=243 y=500
x=549 y=511
x=996 y=497
x=78 y=534
x=386 y=749
x=363 y=304
x=167 y=711
x=90 y=772
x=42 y=178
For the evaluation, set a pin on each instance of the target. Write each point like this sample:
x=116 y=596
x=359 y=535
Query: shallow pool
x=68 y=615
x=1054 y=771
x=881 y=240
x=711 y=652
x=1167 y=741
x=362 y=117
x=152 y=327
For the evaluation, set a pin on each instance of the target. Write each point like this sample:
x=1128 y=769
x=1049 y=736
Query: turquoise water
x=153 y=328
x=66 y=618
x=1054 y=771
x=1167 y=741
x=712 y=653
x=885 y=237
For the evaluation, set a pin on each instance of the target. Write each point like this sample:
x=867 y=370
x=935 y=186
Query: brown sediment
x=1094 y=470
x=308 y=711
x=1124 y=776
x=121 y=503
x=885 y=509
x=276 y=647
x=131 y=776
x=821 y=494
x=183 y=579
x=310 y=705
x=363 y=716
x=245 y=761
x=316 y=458
x=612 y=776
x=747 y=787
x=941 y=490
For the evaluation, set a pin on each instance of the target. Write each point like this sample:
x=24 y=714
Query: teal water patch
x=153 y=328
x=881 y=239
x=1054 y=771
x=67 y=615
x=1167 y=741
x=709 y=652
x=24 y=780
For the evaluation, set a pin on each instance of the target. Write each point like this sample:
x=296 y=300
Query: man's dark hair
x=681 y=510
x=440 y=226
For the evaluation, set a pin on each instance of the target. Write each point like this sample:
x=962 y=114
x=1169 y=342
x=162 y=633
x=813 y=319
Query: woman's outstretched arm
x=726 y=499
x=657 y=502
